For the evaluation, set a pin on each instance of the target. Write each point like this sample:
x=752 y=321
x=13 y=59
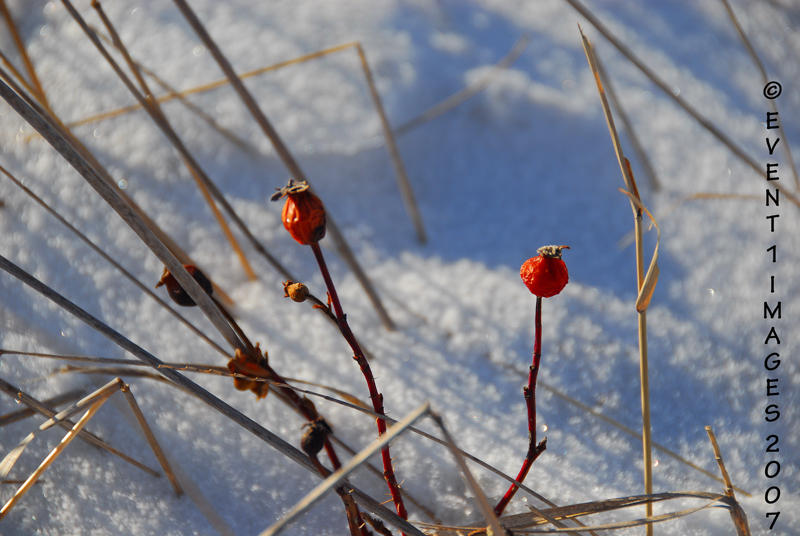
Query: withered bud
x=176 y=292
x=247 y=364
x=296 y=291
x=551 y=251
x=314 y=436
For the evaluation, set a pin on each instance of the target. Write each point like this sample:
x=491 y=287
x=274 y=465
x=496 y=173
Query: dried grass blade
x=151 y=439
x=705 y=123
x=69 y=152
x=483 y=503
x=54 y=401
x=184 y=153
x=26 y=60
x=285 y=155
x=529 y=519
x=53 y=455
x=605 y=418
x=171 y=93
x=645 y=284
x=157 y=115
x=648 y=285
x=108 y=258
x=17 y=75
x=87 y=436
x=12 y=457
x=399 y=168
x=468 y=92
x=626 y=122
x=648 y=521
x=737 y=513
x=203 y=88
x=214 y=402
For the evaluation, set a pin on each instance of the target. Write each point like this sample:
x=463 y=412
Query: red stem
x=309 y=412
x=375 y=396
x=529 y=392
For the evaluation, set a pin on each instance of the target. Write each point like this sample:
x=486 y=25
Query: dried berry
x=546 y=274
x=246 y=364
x=314 y=436
x=296 y=291
x=303 y=213
x=176 y=292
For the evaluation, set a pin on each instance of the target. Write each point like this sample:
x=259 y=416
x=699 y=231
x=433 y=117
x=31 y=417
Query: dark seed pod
x=176 y=292
x=314 y=436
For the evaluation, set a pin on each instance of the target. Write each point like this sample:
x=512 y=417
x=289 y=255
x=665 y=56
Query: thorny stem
x=306 y=408
x=529 y=392
x=375 y=396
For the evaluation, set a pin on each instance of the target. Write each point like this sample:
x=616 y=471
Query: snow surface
x=525 y=163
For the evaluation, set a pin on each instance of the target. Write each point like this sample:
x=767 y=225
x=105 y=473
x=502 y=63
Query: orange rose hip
x=303 y=213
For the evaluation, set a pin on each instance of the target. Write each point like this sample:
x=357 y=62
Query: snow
x=526 y=162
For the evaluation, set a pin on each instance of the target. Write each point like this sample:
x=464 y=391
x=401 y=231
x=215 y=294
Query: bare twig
x=375 y=396
x=529 y=392
x=356 y=405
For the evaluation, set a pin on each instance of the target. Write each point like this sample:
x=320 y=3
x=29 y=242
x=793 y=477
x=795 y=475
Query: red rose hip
x=303 y=213
x=546 y=274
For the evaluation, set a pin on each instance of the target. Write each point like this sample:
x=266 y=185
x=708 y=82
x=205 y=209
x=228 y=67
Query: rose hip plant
x=303 y=216
x=545 y=276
